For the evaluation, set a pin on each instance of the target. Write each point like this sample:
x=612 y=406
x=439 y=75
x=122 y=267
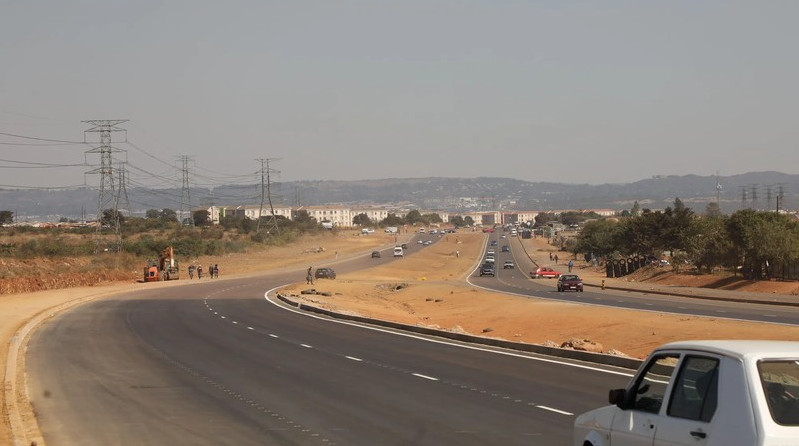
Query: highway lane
x=517 y=281
x=216 y=363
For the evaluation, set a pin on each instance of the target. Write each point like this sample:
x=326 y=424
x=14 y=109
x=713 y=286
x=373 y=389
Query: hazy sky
x=567 y=91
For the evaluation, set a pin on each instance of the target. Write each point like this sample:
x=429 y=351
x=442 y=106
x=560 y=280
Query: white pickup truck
x=703 y=393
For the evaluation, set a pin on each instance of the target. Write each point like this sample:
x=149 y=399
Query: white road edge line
x=438 y=341
x=424 y=376
x=555 y=410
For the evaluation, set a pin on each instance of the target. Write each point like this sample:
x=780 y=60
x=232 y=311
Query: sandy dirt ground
x=428 y=288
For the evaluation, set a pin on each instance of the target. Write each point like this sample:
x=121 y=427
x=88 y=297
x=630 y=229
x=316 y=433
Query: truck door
x=691 y=405
x=637 y=423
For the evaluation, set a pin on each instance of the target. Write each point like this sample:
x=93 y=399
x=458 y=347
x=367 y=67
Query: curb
x=596 y=358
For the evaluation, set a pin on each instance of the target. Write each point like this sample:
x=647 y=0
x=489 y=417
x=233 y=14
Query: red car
x=545 y=272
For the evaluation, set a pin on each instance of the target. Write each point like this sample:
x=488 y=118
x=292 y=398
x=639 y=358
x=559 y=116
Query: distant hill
x=757 y=190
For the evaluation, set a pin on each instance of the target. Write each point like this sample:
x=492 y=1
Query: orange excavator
x=166 y=268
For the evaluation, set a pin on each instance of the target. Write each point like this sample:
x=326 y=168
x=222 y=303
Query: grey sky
x=578 y=92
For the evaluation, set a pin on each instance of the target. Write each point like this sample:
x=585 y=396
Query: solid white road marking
x=424 y=376
x=554 y=410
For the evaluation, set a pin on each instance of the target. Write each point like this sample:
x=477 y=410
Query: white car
x=703 y=393
x=398 y=252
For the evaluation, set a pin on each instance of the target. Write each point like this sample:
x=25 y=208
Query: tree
x=543 y=218
x=6 y=217
x=168 y=215
x=708 y=244
x=413 y=217
x=110 y=217
x=362 y=220
x=468 y=220
x=598 y=238
x=152 y=214
x=201 y=218
x=432 y=218
x=636 y=209
x=392 y=220
x=457 y=221
x=712 y=210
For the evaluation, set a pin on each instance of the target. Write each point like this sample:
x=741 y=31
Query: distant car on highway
x=487 y=270
x=494 y=243
x=325 y=273
x=491 y=252
x=375 y=254
x=571 y=282
x=545 y=272
x=505 y=248
x=508 y=264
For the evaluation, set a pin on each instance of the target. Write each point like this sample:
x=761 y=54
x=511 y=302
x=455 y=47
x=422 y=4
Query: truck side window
x=650 y=388
x=695 y=392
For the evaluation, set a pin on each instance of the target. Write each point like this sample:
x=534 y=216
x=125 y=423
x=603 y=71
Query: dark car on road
x=570 y=282
x=487 y=270
x=375 y=254
x=505 y=248
x=325 y=273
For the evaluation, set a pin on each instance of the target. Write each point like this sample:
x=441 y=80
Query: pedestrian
x=550 y=256
x=571 y=264
x=309 y=276
x=556 y=259
x=211 y=271
x=199 y=272
x=216 y=270
x=191 y=272
x=336 y=254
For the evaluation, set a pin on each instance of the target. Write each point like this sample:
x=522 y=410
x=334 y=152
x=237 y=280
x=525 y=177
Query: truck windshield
x=780 y=380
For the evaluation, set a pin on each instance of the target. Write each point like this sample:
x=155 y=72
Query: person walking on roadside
x=191 y=272
x=556 y=259
x=199 y=272
x=216 y=270
x=309 y=277
x=550 y=256
x=571 y=264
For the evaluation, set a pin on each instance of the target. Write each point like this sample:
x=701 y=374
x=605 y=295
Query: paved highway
x=517 y=281
x=217 y=363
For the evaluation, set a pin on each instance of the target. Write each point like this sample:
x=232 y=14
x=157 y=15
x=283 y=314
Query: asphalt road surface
x=517 y=281
x=216 y=363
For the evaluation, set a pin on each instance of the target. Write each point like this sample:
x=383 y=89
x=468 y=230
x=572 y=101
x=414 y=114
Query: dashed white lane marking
x=250 y=328
x=683 y=308
x=354 y=358
x=306 y=345
x=234 y=322
x=273 y=336
x=720 y=311
x=770 y=315
x=424 y=376
x=223 y=317
x=562 y=412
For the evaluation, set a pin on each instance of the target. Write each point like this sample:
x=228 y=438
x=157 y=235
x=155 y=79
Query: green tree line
x=760 y=244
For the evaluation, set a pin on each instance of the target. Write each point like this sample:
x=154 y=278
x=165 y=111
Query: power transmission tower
x=186 y=216
x=266 y=193
x=780 y=197
x=769 y=195
x=122 y=191
x=754 y=195
x=743 y=196
x=107 y=199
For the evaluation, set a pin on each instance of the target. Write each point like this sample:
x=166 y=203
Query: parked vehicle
x=545 y=272
x=706 y=393
x=325 y=273
x=570 y=282
x=165 y=268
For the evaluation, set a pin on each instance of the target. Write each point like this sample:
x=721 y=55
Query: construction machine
x=165 y=268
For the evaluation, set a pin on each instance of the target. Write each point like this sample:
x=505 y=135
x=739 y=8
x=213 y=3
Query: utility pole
x=754 y=196
x=186 y=216
x=266 y=193
x=107 y=199
x=743 y=196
